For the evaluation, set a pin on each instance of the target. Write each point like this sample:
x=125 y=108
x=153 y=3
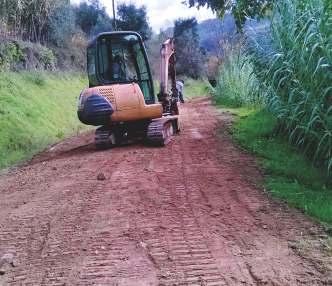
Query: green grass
x=195 y=88
x=289 y=175
x=36 y=110
x=192 y=88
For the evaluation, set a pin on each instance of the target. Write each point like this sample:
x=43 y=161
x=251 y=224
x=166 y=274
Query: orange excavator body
x=120 y=97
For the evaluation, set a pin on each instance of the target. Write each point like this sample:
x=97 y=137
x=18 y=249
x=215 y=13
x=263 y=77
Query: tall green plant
x=237 y=85
x=296 y=72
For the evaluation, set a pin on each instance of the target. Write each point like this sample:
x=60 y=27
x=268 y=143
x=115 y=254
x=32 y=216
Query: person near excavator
x=180 y=87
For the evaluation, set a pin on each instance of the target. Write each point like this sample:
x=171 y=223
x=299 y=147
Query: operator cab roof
x=114 y=34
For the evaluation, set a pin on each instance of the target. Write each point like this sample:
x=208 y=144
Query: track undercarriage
x=157 y=132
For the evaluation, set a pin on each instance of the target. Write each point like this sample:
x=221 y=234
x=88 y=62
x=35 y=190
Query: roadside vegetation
x=36 y=110
x=195 y=88
x=290 y=175
x=279 y=83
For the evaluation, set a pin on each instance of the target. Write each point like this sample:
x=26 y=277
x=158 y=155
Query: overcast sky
x=162 y=13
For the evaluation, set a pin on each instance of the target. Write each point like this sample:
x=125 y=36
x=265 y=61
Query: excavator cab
x=120 y=58
x=120 y=97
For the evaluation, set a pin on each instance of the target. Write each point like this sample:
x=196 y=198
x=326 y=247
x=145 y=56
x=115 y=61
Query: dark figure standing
x=179 y=87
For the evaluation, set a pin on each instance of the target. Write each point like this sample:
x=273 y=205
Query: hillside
x=35 y=111
x=212 y=32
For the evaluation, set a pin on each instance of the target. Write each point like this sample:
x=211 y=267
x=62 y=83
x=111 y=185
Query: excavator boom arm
x=167 y=69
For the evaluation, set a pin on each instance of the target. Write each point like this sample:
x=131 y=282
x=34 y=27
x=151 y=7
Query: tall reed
x=293 y=63
x=237 y=85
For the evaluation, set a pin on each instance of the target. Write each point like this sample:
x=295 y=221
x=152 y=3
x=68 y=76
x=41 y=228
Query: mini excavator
x=120 y=99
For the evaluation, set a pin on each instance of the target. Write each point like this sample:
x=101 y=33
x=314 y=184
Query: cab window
x=91 y=65
x=143 y=74
x=121 y=59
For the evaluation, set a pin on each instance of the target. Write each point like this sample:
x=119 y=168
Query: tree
x=28 y=18
x=92 y=17
x=131 y=18
x=241 y=9
x=104 y=24
x=62 y=24
x=189 y=55
x=37 y=20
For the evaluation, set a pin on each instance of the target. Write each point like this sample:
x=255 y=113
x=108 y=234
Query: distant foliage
x=38 y=28
x=62 y=25
x=153 y=50
x=30 y=19
x=214 y=32
x=92 y=18
x=212 y=67
x=47 y=58
x=189 y=55
x=132 y=18
x=241 y=9
x=104 y=24
x=50 y=34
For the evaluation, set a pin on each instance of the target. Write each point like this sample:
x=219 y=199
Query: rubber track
x=155 y=133
x=156 y=128
x=102 y=138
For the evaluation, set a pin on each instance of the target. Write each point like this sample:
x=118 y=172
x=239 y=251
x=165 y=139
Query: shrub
x=10 y=54
x=47 y=58
x=19 y=55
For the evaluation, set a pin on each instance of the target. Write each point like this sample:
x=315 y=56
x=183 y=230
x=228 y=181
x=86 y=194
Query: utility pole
x=114 y=19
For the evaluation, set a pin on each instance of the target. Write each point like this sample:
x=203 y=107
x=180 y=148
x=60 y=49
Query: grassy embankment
x=290 y=175
x=36 y=110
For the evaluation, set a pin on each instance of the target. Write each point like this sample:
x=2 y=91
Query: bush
x=47 y=58
x=19 y=55
x=10 y=54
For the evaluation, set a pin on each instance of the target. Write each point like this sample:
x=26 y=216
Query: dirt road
x=187 y=214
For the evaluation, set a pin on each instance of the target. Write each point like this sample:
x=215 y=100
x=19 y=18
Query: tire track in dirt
x=187 y=214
